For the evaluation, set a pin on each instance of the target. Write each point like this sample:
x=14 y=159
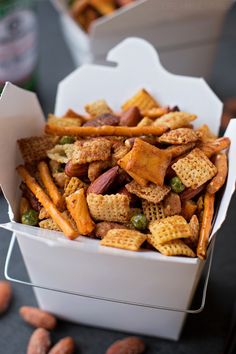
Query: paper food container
x=118 y=289
x=186 y=33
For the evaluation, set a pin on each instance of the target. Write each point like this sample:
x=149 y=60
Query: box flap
x=21 y=116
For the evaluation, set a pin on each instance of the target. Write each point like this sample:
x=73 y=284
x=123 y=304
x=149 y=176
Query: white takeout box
x=127 y=283
x=186 y=33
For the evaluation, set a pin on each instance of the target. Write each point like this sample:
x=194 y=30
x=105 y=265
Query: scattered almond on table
x=64 y=346
x=129 y=345
x=39 y=342
x=5 y=296
x=38 y=318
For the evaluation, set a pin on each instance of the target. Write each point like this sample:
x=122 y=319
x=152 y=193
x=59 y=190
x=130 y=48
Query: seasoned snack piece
x=125 y=239
x=139 y=220
x=172 y=248
x=97 y=108
x=73 y=185
x=49 y=224
x=43 y=214
x=145 y=122
x=104 y=182
x=119 y=150
x=194 y=227
x=35 y=148
x=106 y=130
x=190 y=193
x=52 y=189
x=178 y=150
x=64 y=121
x=102 y=228
x=103 y=119
x=61 y=153
x=189 y=207
x=113 y=207
x=76 y=169
x=179 y=136
x=195 y=169
x=96 y=168
x=213 y=147
x=222 y=170
x=148 y=162
x=72 y=114
x=131 y=117
x=78 y=208
x=46 y=202
x=26 y=192
x=153 y=211
x=169 y=229
x=142 y=99
x=123 y=164
x=172 y=204
x=174 y=120
x=91 y=150
x=61 y=179
x=206 y=225
x=63 y=346
x=206 y=134
x=155 y=112
x=151 y=193
x=104 y=7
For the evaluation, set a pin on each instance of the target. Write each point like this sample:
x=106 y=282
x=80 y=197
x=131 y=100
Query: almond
x=5 y=295
x=64 y=346
x=38 y=318
x=39 y=342
x=76 y=169
x=131 y=117
x=103 y=119
x=103 y=227
x=104 y=181
x=129 y=345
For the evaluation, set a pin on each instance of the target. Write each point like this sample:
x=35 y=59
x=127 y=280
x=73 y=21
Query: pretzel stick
x=53 y=192
x=105 y=130
x=78 y=208
x=222 y=169
x=208 y=213
x=46 y=202
x=215 y=146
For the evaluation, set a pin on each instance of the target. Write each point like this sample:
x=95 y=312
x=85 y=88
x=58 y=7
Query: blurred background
x=41 y=42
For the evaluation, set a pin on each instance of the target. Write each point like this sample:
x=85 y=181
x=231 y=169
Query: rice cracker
x=35 y=148
x=194 y=169
x=174 y=120
x=142 y=99
x=151 y=193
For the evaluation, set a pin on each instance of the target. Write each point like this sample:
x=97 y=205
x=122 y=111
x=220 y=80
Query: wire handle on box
x=101 y=298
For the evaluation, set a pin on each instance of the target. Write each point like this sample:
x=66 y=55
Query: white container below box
x=123 y=278
x=186 y=34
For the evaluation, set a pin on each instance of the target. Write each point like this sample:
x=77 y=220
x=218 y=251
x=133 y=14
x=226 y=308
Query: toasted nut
x=64 y=346
x=38 y=318
x=75 y=169
x=131 y=117
x=30 y=197
x=39 y=342
x=190 y=193
x=104 y=181
x=129 y=345
x=172 y=204
x=5 y=295
x=103 y=119
x=103 y=227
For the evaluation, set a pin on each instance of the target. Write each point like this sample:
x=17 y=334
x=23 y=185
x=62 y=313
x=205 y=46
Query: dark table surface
x=203 y=333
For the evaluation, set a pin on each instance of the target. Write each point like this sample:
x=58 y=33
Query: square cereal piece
x=125 y=239
x=61 y=153
x=142 y=99
x=35 y=148
x=123 y=164
x=172 y=248
x=153 y=211
x=91 y=150
x=170 y=228
x=194 y=225
x=112 y=207
x=73 y=185
x=64 y=121
x=175 y=120
x=97 y=108
x=148 y=162
x=151 y=193
x=145 y=122
x=179 y=136
x=194 y=169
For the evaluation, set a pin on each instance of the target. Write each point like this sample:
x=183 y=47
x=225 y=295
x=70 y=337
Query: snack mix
x=142 y=179
x=84 y=12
